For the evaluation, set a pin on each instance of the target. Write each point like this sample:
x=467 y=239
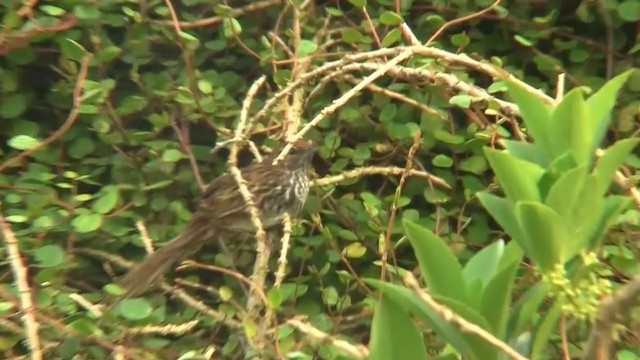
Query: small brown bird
x=276 y=189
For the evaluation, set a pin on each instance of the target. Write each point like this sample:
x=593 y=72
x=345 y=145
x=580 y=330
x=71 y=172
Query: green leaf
x=585 y=218
x=442 y=160
x=51 y=10
x=231 y=27
x=390 y=18
x=88 y=222
x=172 y=155
x=86 y=12
x=569 y=129
x=358 y=3
x=305 y=48
x=563 y=194
x=546 y=233
x=394 y=335
x=108 y=199
x=49 y=255
x=13 y=105
x=72 y=50
x=496 y=299
x=522 y=314
x=407 y=299
x=535 y=114
x=517 y=185
x=134 y=309
x=612 y=207
x=391 y=38
x=476 y=164
x=610 y=161
x=483 y=264
x=274 y=297
x=542 y=335
x=81 y=147
x=503 y=211
x=23 y=142
x=629 y=10
x=600 y=106
x=461 y=100
x=440 y=268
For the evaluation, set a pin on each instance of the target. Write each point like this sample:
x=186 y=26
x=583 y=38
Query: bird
x=223 y=212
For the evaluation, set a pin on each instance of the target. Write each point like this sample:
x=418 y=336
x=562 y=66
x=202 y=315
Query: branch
x=71 y=118
x=612 y=311
x=22 y=284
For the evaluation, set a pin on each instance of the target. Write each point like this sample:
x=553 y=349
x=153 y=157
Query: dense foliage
x=109 y=111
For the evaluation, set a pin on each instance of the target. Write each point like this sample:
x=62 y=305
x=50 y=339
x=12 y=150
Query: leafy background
x=154 y=103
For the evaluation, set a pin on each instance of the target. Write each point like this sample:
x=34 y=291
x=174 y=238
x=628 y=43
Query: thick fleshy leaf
x=503 y=211
x=612 y=207
x=518 y=185
x=407 y=299
x=560 y=126
x=570 y=129
x=496 y=299
x=441 y=270
x=600 y=104
x=535 y=114
x=522 y=312
x=585 y=217
x=543 y=331
x=563 y=194
x=545 y=233
x=526 y=151
x=394 y=334
x=611 y=160
x=483 y=264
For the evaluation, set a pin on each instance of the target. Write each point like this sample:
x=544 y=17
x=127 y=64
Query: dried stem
x=20 y=276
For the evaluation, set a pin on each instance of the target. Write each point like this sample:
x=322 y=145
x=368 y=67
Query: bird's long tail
x=143 y=275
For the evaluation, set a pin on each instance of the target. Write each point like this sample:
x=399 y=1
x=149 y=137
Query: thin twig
x=344 y=98
x=355 y=351
x=394 y=204
x=378 y=170
x=461 y=20
x=20 y=276
x=71 y=118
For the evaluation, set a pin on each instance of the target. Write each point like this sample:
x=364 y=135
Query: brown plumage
x=222 y=210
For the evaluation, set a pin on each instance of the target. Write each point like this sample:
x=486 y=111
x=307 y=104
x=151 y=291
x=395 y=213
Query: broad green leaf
x=408 y=299
x=522 y=313
x=87 y=222
x=542 y=334
x=390 y=18
x=107 y=199
x=610 y=161
x=545 y=232
x=23 y=142
x=526 y=151
x=306 y=47
x=13 y=105
x=503 y=211
x=483 y=264
x=569 y=129
x=496 y=299
x=517 y=185
x=564 y=192
x=535 y=114
x=600 y=105
x=585 y=217
x=612 y=207
x=134 y=309
x=49 y=255
x=231 y=27
x=512 y=253
x=394 y=334
x=440 y=268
